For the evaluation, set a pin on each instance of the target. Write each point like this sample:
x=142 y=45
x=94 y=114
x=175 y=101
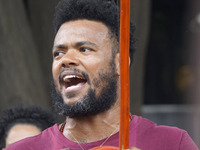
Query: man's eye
x=58 y=53
x=84 y=49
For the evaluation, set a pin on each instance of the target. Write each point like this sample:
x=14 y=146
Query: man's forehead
x=82 y=29
x=84 y=25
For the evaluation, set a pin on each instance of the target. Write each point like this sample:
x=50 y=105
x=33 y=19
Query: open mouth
x=73 y=81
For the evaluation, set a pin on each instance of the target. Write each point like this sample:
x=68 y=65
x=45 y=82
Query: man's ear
x=117 y=62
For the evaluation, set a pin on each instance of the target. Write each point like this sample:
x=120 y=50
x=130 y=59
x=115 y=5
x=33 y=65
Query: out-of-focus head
x=21 y=122
x=20 y=131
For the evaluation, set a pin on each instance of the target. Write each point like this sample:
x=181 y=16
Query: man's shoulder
x=146 y=125
x=33 y=142
x=161 y=135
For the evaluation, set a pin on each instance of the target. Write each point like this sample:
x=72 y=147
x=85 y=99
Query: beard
x=90 y=104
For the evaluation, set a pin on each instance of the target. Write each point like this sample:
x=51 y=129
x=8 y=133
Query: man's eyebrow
x=85 y=43
x=59 y=47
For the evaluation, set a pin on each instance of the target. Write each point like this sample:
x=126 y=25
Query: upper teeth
x=66 y=78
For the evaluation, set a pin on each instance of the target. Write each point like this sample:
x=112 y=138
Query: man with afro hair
x=86 y=89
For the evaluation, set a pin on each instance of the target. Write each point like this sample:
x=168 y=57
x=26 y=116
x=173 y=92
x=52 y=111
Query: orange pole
x=124 y=73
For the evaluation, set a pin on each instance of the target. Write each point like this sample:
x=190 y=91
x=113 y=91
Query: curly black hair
x=33 y=115
x=105 y=11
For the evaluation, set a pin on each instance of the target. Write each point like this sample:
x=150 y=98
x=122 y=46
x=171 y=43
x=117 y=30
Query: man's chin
x=71 y=101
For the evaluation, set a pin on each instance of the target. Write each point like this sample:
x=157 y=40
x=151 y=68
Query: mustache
x=75 y=70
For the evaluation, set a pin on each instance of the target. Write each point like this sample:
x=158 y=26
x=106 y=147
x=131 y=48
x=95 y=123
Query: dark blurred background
x=164 y=77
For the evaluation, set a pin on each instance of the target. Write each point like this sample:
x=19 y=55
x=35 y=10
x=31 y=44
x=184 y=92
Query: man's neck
x=93 y=128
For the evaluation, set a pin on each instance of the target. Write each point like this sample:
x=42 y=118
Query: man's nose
x=70 y=59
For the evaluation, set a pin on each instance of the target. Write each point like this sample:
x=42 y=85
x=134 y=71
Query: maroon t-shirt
x=144 y=135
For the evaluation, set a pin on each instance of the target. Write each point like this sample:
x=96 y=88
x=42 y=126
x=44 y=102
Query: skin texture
x=92 y=57
x=96 y=58
x=21 y=131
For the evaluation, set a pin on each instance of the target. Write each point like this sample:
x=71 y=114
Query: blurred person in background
x=21 y=122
